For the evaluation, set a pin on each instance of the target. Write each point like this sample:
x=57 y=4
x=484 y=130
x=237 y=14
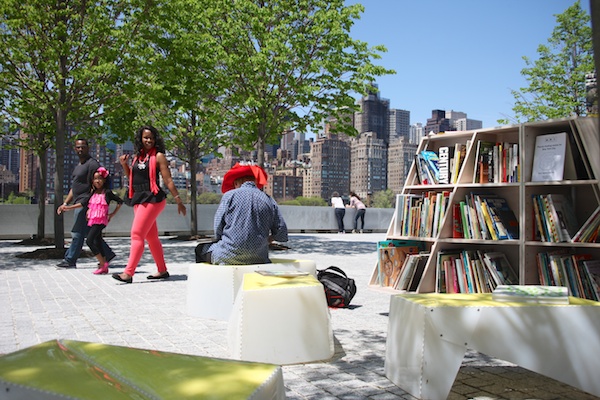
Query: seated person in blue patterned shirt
x=246 y=221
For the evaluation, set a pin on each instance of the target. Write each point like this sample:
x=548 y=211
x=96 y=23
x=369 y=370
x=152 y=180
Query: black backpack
x=339 y=289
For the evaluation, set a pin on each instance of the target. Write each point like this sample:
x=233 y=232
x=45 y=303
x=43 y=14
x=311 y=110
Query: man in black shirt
x=80 y=188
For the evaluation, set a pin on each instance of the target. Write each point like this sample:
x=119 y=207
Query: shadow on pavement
x=316 y=245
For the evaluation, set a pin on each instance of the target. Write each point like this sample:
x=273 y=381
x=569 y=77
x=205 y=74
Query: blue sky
x=462 y=55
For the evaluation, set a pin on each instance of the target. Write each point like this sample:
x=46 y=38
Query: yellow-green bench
x=79 y=370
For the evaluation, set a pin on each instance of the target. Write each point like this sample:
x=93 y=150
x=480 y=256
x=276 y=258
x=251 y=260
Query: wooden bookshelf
x=518 y=191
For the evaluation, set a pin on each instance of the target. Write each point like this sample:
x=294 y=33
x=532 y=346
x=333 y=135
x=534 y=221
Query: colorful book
x=564 y=214
x=481 y=167
x=498 y=265
x=590 y=226
x=457 y=230
x=460 y=151
x=505 y=221
x=391 y=261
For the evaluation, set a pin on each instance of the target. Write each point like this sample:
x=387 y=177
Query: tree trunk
x=59 y=229
x=260 y=149
x=41 y=223
x=193 y=192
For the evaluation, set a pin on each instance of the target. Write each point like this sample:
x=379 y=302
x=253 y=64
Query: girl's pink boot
x=103 y=270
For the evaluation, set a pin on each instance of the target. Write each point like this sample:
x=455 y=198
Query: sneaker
x=361 y=231
x=102 y=270
x=65 y=264
x=353 y=230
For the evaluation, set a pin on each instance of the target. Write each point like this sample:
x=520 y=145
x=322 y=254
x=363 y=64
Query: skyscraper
x=400 y=157
x=369 y=159
x=330 y=172
x=373 y=116
x=399 y=124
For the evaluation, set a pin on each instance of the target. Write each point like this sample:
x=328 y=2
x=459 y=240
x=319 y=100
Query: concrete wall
x=20 y=221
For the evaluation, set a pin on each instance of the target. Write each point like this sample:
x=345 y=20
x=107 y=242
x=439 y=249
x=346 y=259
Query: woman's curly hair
x=159 y=143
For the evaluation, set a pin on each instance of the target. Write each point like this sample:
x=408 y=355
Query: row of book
x=590 y=230
x=441 y=167
x=484 y=216
x=496 y=162
x=555 y=220
x=420 y=214
x=400 y=265
x=473 y=271
x=580 y=273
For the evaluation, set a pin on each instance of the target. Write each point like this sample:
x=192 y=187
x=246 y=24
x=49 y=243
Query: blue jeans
x=79 y=232
x=359 y=214
x=339 y=215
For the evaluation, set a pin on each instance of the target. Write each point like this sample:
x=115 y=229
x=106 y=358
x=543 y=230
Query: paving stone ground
x=41 y=303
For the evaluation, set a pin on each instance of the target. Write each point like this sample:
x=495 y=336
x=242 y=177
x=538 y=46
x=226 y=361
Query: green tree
x=289 y=64
x=384 y=199
x=176 y=63
x=209 y=198
x=311 y=201
x=557 y=78
x=61 y=68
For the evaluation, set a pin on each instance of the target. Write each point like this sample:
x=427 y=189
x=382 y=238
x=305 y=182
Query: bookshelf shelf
x=495 y=167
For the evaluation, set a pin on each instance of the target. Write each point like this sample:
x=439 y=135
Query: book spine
x=464 y=216
x=444 y=164
x=498 y=225
x=488 y=220
x=457 y=230
x=539 y=231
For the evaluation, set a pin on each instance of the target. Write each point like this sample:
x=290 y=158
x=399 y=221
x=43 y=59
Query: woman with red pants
x=148 y=200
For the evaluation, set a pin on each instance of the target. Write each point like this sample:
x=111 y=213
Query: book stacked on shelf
x=532 y=294
x=412 y=272
x=442 y=167
x=589 y=231
x=484 y=216
x=470 y=271
x=580 y=273
x=420 y=215
x=496 y=162
x=392 y=254
x=555 y=219
x=458 y=157
x=426 y=163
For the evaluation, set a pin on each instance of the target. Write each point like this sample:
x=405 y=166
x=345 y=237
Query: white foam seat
x=280 y=321
x=211 y=289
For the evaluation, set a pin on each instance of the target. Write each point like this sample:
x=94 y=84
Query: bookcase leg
x=420 y=358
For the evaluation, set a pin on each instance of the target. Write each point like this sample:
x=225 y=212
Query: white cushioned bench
x=280 y=321
x=211 y=289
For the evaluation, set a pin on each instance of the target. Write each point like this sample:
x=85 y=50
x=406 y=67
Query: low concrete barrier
x=20 y=221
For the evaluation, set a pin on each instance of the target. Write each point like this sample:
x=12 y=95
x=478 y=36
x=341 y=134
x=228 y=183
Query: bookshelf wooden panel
x=584 y=193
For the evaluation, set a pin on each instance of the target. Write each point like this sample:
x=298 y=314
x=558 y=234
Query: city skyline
x=464 y=55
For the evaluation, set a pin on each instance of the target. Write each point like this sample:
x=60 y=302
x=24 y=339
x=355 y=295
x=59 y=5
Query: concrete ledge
x=20 y=221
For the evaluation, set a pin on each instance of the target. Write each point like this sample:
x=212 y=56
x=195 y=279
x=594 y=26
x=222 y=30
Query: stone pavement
x=40 y=303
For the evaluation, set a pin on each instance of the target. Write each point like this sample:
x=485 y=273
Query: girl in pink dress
x=98 y=216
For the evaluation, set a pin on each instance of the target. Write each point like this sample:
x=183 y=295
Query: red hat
x=239 y=171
